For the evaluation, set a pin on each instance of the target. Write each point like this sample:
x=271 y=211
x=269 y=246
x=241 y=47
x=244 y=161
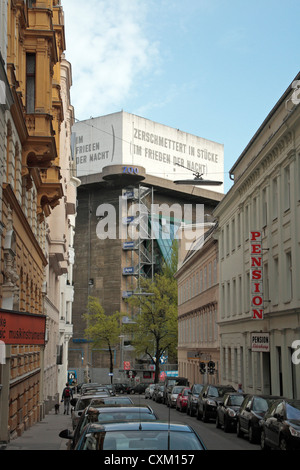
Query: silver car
x=149 y=391
x=172 y=396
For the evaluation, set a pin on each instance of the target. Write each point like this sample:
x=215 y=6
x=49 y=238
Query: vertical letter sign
x=256 y=276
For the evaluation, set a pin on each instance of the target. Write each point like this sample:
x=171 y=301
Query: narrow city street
x=45 y=434
x=214 y=439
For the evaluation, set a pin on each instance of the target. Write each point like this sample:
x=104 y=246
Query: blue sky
x=213 y=68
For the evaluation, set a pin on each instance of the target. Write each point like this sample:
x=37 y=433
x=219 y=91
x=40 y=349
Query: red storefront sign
x=22 y=328
x=256 y=276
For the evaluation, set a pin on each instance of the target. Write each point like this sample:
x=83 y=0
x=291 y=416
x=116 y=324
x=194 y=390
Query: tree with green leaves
x=104 y=330
x=155 y=331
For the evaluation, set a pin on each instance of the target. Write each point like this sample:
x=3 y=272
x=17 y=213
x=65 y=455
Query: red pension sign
x=256 y=276
x=22 y=328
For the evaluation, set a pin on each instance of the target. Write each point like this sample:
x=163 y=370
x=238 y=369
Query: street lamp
x=198 y=180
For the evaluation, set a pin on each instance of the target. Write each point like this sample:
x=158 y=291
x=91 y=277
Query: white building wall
x=265 y=196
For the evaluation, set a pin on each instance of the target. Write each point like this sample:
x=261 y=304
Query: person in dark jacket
x=67 y=394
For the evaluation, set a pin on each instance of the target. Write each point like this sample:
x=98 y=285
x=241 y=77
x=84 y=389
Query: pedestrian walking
x=240 y=388
x=67 y=394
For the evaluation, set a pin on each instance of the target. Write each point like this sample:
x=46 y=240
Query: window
x=254 y=212
x=233 y=297
x=286 y=188
x=30 y=83
x=239 y=295
x=274 y=198
x=239 y=229
x=246 y=222
x=215 y=272
x=264 y=208
x=288 y=276
x=227 y=239
x=266 y=281
x=233 y=234
x=275 y=283
x=209 y=275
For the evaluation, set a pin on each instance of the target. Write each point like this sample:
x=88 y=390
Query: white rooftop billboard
x=126 y=139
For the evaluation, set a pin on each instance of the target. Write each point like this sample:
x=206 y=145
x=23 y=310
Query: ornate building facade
x=259 y=321
x=32 y=187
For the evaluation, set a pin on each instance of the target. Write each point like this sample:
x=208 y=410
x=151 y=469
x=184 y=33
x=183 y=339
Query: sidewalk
x=44 y=435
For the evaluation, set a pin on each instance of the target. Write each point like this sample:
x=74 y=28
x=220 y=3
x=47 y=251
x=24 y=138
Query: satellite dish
x=198 y=180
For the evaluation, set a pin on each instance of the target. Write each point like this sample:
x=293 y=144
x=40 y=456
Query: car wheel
x=204 y=416
x=263 y=444
x=252 y=436
x=239 y=432
x=226 y=425
x=218 y=425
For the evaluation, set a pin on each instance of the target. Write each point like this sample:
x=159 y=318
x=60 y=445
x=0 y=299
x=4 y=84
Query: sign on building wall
x=260 y=342
x=22 y=328
x=126 y=139
x=256 y=276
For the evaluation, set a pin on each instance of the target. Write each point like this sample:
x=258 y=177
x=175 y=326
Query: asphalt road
x=213 y=438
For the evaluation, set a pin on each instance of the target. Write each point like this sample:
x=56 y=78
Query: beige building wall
x=198 y=335
x=265 y=197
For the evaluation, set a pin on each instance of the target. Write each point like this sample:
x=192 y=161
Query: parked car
x=103 y=413
x=193 y=399
x=170 y=382
x=138 y=388
x=111 y=388
x=251 y=412
x=149 y=391
x=209 y=398
x=153 y=435
x=182 y=398
x=79 y=404
x=158 y=393
x=172 y=396
x=83 y=386
x=227 y=410
x=121 y=388
x=96 y=389
x=280 y=427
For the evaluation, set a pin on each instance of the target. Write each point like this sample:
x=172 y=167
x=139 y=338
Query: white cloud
x=108 y=48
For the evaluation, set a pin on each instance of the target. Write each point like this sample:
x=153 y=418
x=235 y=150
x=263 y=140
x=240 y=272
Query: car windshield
x=198 y=388
x=260 y=404
x=293 y=411
x=138 y=440
x=218 y=392
x=176 y=390
x=236 y=400
x=185 y=393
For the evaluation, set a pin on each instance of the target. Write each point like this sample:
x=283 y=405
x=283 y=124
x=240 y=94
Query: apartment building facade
x=32 y=113
x=198 y=313
x=259 y=302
